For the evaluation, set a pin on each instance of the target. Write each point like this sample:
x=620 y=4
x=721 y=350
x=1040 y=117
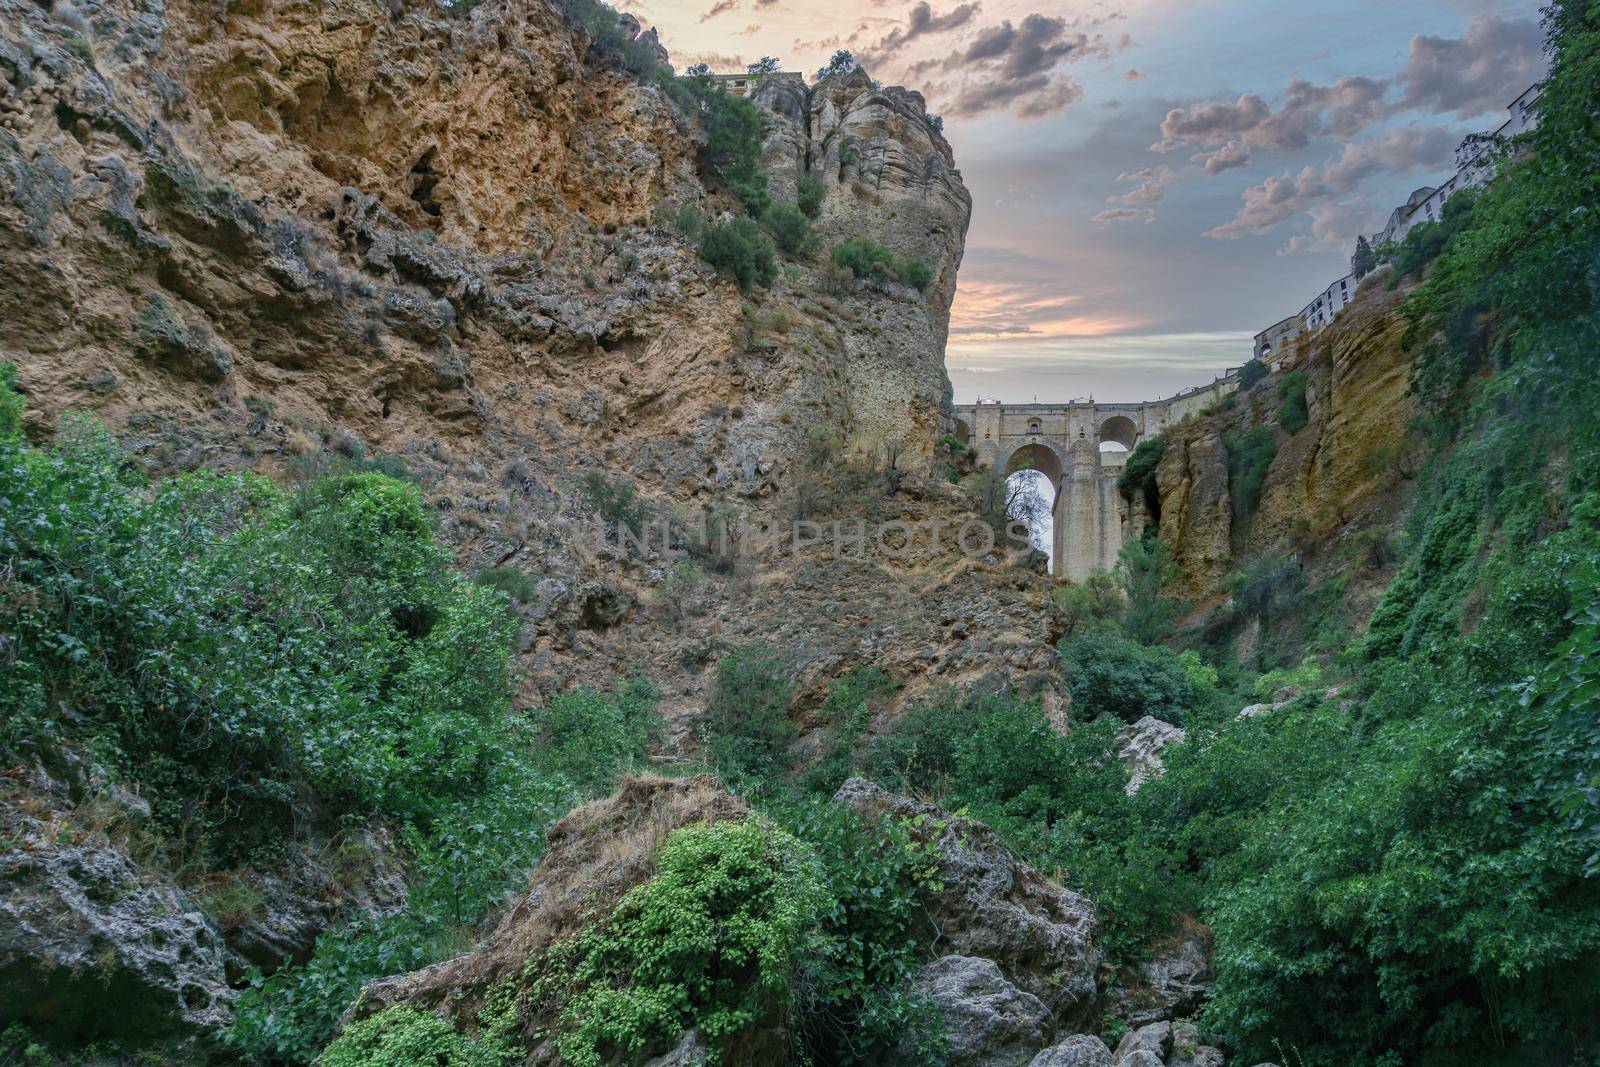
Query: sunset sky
x=1153 y=181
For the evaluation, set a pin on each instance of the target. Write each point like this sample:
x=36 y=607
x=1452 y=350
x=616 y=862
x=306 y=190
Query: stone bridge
x=1080 y=447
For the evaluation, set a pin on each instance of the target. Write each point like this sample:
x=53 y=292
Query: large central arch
x=1035 y=456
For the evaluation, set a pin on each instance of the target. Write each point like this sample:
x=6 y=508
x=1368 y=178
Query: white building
x=1424 y=205
x=1273 y=342
x=1427 y=203
x=1328 y=303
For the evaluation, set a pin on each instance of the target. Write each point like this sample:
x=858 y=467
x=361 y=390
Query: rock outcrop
x=1140 y=745
x=988 y=904
x=988 y=1021
x=1348 y=471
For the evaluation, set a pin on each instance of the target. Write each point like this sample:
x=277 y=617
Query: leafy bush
x=751 y=192
x=11 y=404
x=808 y=194
x=1292 y=412
x=867 y=259
x=616 y=502
x=711 y=942
x=404 y=1035
x=1145 y=568
x=1109 y=674
x=1252 y=372
x=688 y=220
x=514 y=582
x=1098 y=598
x=848 y=709
x=1138 y=475
x=916 y=273
x=248 y=644
x=864 y=1007
x=747 y=726
x=788 y=226
x=740 y=250
x=1249 y=456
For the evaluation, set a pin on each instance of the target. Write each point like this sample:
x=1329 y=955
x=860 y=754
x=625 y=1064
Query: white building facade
x=1424 y=205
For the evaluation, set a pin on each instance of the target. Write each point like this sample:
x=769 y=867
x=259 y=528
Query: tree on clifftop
x=1364 y=261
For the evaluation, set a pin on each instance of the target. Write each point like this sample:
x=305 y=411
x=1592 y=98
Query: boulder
x=1139 y=747
x=1154 y=1039
x=987 y=903
x=989 y=1021
x=92 y=946
x=1187 y=1051
x=1171 y=981
x=1080 y=1050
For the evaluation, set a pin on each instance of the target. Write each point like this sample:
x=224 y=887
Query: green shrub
x=916 y=273
x=1145 y=568
x=1292 y=412
x=514 y=582
x=688 y=220
x=404 y=1035
x=865 y=258
x=848 y=710
x=1138 y=475
x=1249 y=456
x=788 y=226
x=740 y=250
x=747 y=725
x=712 y=942
x=1109 y=674
x=587 y=740
x=1252 y=372
x=616 y=502
x=808 y=194
x=751 y=192
x=11 y=404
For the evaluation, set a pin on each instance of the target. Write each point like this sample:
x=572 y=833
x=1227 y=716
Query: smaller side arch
x=1120 y=430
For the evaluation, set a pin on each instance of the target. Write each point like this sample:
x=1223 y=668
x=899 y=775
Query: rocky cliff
x=1332 y=489
x=296 y=236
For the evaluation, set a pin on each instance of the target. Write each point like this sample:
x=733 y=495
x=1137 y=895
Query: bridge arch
x=1035 y=455
x=1119 y=430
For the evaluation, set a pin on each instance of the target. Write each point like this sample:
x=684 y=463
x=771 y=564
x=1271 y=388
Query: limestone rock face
x=1140 y=745
x=1080 y=1050
x=1348 y=471
x=991 y=905
x=888 y=175
x=988 y=1021
x=91 y=944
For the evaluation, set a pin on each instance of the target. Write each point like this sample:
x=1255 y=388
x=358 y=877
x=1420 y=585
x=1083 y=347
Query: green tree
x=866 y=259
x=842 y=62
x=809 y=192
x=764 y=65
x=788 y=226
x=742 y=251
x=1145 y=568
x=747 y=724
x=1363 y=262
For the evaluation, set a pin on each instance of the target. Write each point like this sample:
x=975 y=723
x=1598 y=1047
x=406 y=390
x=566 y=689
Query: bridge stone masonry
x=1081 y=447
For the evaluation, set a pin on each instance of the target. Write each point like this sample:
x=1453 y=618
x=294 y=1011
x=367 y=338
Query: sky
x=1153 y=181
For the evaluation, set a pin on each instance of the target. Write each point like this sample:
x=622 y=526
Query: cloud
x=1125 y=214
x=1482 y=70
x=1013 y=65
x=1231 y=155
x=1132 y=74
x=1342 y=109
x=768 y=5
x=1152 y=187
x=721 y=7
x=922 y=22
x=1277 y=199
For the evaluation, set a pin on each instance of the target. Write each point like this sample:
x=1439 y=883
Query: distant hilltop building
x=1423 y=205
x=744 y=84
